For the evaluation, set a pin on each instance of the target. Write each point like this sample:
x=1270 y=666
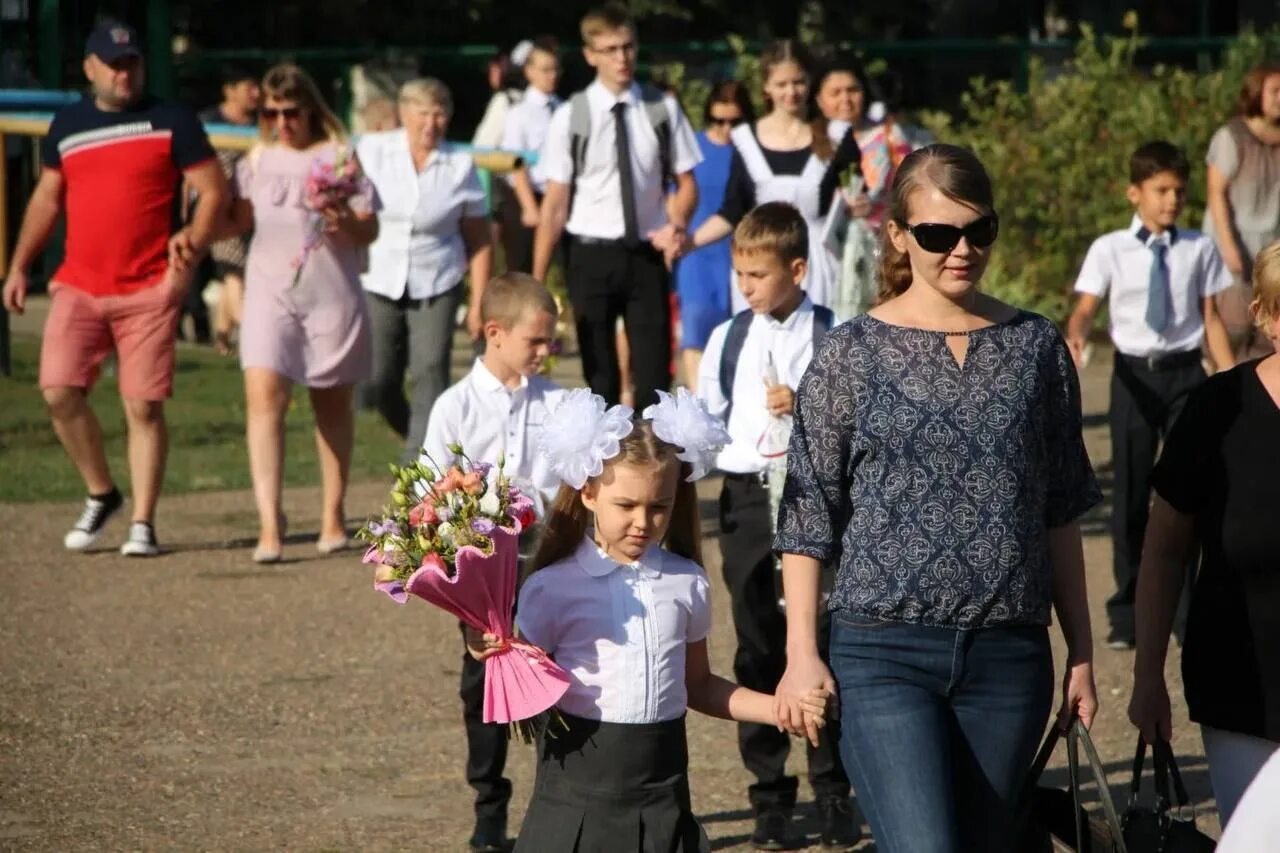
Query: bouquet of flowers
x=450 y=537
x=328 y=185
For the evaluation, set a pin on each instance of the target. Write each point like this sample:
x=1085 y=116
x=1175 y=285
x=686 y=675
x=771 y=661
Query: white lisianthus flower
x=489 y=504
x=446 y=531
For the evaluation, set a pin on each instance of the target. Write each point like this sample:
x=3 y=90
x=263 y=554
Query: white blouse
x=419 y=250
x=620 y=631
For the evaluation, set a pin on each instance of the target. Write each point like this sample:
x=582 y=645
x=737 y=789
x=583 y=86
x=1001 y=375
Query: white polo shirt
x=620 y=631
x=526 y=129
x=419 y=249
x=789 y=343
x=597 y=205
x=1119 y=264
x=490 y=420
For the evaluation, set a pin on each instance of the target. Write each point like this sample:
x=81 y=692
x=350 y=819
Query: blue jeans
x=939 y=727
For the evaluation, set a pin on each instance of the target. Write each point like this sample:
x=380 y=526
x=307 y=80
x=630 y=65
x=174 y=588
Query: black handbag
x=1169 y=824
x=1054 y=819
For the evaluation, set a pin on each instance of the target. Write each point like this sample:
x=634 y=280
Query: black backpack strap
x=823 y=319
x=733 y=341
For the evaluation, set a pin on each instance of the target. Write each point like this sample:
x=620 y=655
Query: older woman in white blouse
x=433 y=231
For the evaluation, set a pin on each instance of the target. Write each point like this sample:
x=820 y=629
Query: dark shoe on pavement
x=773 y=830
x=840 y=827
x=141 y=541
x=93 y=518
x=490 y=836
x=1121 y=641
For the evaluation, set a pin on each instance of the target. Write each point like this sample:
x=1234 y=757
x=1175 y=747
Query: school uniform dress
x=617 y=780
x=617 y=198
x=413 y=283
x=1155 y=284
x=746 y=544
x=758 y=175
x=492 y=421
x=525 y=129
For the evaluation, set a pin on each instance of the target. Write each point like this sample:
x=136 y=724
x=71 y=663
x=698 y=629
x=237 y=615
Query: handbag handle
x=1104 y=793
x=1162 y=755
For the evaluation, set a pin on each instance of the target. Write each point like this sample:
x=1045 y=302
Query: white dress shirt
x=490 y=421
x=620 y=631
x=419 y=249
x=789 y=344
x=597 y=205
x=526 y=129
x=1119 y=263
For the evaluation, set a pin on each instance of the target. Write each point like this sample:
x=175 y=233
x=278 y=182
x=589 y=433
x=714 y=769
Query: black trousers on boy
x=486 y=746
x=746 y=545
x=1147 y=395
x=517 y=238
x=608 y=280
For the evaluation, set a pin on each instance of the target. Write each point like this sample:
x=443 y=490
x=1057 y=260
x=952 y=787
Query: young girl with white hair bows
x=617 y=595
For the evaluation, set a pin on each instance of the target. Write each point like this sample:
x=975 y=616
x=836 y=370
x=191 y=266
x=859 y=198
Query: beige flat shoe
x=332 y=546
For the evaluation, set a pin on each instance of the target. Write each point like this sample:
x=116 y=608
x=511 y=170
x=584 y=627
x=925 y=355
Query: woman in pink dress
x=314 y=332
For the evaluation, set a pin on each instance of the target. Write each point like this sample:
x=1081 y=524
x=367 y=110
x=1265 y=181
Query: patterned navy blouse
x=934 y=485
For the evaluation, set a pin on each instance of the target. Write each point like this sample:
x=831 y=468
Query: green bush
x=1058 y=152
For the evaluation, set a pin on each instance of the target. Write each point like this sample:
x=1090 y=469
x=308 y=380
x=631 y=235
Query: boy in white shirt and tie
x=496 y=411
x=748 y=375
x=610 y=154
x=525 y=130
x=1161 y=281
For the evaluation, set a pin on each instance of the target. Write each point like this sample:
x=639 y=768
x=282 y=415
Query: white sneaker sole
x=79 y=540
x=139 y=549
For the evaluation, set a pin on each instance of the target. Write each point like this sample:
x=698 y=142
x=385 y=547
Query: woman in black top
x=1216 y=486
x=937 y=460
x=786 y=157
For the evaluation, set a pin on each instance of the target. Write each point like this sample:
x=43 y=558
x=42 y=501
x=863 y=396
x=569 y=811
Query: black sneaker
x=773 y=830
x=840 y=828
x=93 y=518
x=141 y=541
x=1121 y=641
x=490 y=836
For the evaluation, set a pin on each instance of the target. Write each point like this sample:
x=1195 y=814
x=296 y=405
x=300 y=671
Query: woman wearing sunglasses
x=304 y=315
x=702 y=277
x=785 y=156
x=937 y=457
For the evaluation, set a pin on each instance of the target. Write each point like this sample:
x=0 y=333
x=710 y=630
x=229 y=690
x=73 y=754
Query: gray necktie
x=1158 y=298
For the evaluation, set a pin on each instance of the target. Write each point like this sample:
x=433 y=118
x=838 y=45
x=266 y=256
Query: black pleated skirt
x=612 y=788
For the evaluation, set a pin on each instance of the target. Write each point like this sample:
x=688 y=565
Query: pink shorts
x=82 y=330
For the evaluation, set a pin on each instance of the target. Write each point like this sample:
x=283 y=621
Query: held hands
x=805 y=676
x=816 y=707
x=672 y=241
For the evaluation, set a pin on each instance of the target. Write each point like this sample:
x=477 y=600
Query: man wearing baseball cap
x=112 y=162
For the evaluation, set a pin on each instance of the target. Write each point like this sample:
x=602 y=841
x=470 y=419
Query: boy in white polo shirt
x=1161 y=281
x=496 y=411
x=774 y=338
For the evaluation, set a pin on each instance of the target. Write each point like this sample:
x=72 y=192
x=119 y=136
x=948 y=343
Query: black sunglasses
x=939 y=239
x=726 y=122
x=272 y=113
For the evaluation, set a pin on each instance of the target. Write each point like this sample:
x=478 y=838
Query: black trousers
x=608 y=281
x=746 y=544
x=486 y=745
x=1144 y=404
x=517 y=238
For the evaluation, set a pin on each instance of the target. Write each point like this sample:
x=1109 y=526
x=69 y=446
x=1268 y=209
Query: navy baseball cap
x=112 y=40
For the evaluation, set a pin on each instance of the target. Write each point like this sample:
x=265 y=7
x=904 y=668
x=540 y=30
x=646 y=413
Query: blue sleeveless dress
x=703 y=276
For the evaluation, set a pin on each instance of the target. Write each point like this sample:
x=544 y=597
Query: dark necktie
x=1158 y=296
x=623 y=144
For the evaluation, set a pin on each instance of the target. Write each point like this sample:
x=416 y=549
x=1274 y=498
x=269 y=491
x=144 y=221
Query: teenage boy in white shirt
x=608 y=190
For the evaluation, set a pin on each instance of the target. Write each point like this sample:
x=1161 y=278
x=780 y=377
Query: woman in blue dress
x=703 y=276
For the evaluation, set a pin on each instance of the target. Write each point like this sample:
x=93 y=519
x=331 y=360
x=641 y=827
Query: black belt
x=610 y=242
x=759 y=477
x=1168 y=361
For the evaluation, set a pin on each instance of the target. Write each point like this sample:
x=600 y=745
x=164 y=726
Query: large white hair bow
x=581 y=434
x=684 y=421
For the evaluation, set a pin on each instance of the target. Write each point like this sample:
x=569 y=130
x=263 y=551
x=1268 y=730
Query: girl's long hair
x=288 y=82
x=568 y=520
x=790 y=50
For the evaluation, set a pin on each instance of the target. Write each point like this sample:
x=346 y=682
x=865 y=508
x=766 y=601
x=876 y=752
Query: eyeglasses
x=273 y=113
x=939 y=239
x=716 y=121
x=616 y=49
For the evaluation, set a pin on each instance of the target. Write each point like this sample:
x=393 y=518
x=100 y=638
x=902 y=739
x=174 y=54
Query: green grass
x=206 y=433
